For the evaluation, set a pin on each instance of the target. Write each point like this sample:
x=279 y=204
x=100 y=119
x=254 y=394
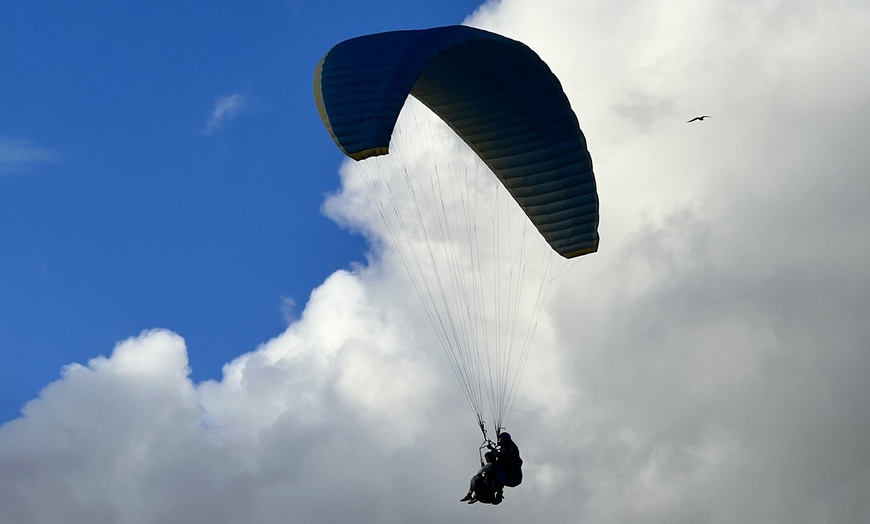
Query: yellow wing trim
x=321 y=107
x=581 y=252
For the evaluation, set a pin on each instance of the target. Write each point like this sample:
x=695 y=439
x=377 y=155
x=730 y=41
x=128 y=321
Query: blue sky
x=125 y=207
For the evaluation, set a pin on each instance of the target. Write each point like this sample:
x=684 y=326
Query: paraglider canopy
x=494 y=92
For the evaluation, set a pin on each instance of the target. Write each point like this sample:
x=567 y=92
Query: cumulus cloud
x=226 y=108
x=708 y=364
x=17 y=155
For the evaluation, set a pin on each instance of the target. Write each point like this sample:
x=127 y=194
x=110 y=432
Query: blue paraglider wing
x=494 y=92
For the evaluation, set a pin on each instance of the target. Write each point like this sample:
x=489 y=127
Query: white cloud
x=226 y=108
x=709 y=364
x=17 y=155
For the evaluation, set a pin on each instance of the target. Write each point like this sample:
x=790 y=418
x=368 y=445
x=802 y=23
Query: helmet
x=504 y=435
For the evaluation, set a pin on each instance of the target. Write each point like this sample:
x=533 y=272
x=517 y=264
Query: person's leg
x=469 y=496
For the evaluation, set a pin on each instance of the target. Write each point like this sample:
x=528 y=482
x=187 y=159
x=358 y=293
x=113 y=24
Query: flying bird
x=701 y=118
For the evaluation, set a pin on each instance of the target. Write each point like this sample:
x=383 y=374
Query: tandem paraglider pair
x=508 y=107
x=502 y=467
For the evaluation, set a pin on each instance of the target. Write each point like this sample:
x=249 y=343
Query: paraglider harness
x=488 y=489
x=509 y=475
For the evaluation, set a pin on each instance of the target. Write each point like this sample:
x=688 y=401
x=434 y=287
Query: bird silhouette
x=701 y=118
